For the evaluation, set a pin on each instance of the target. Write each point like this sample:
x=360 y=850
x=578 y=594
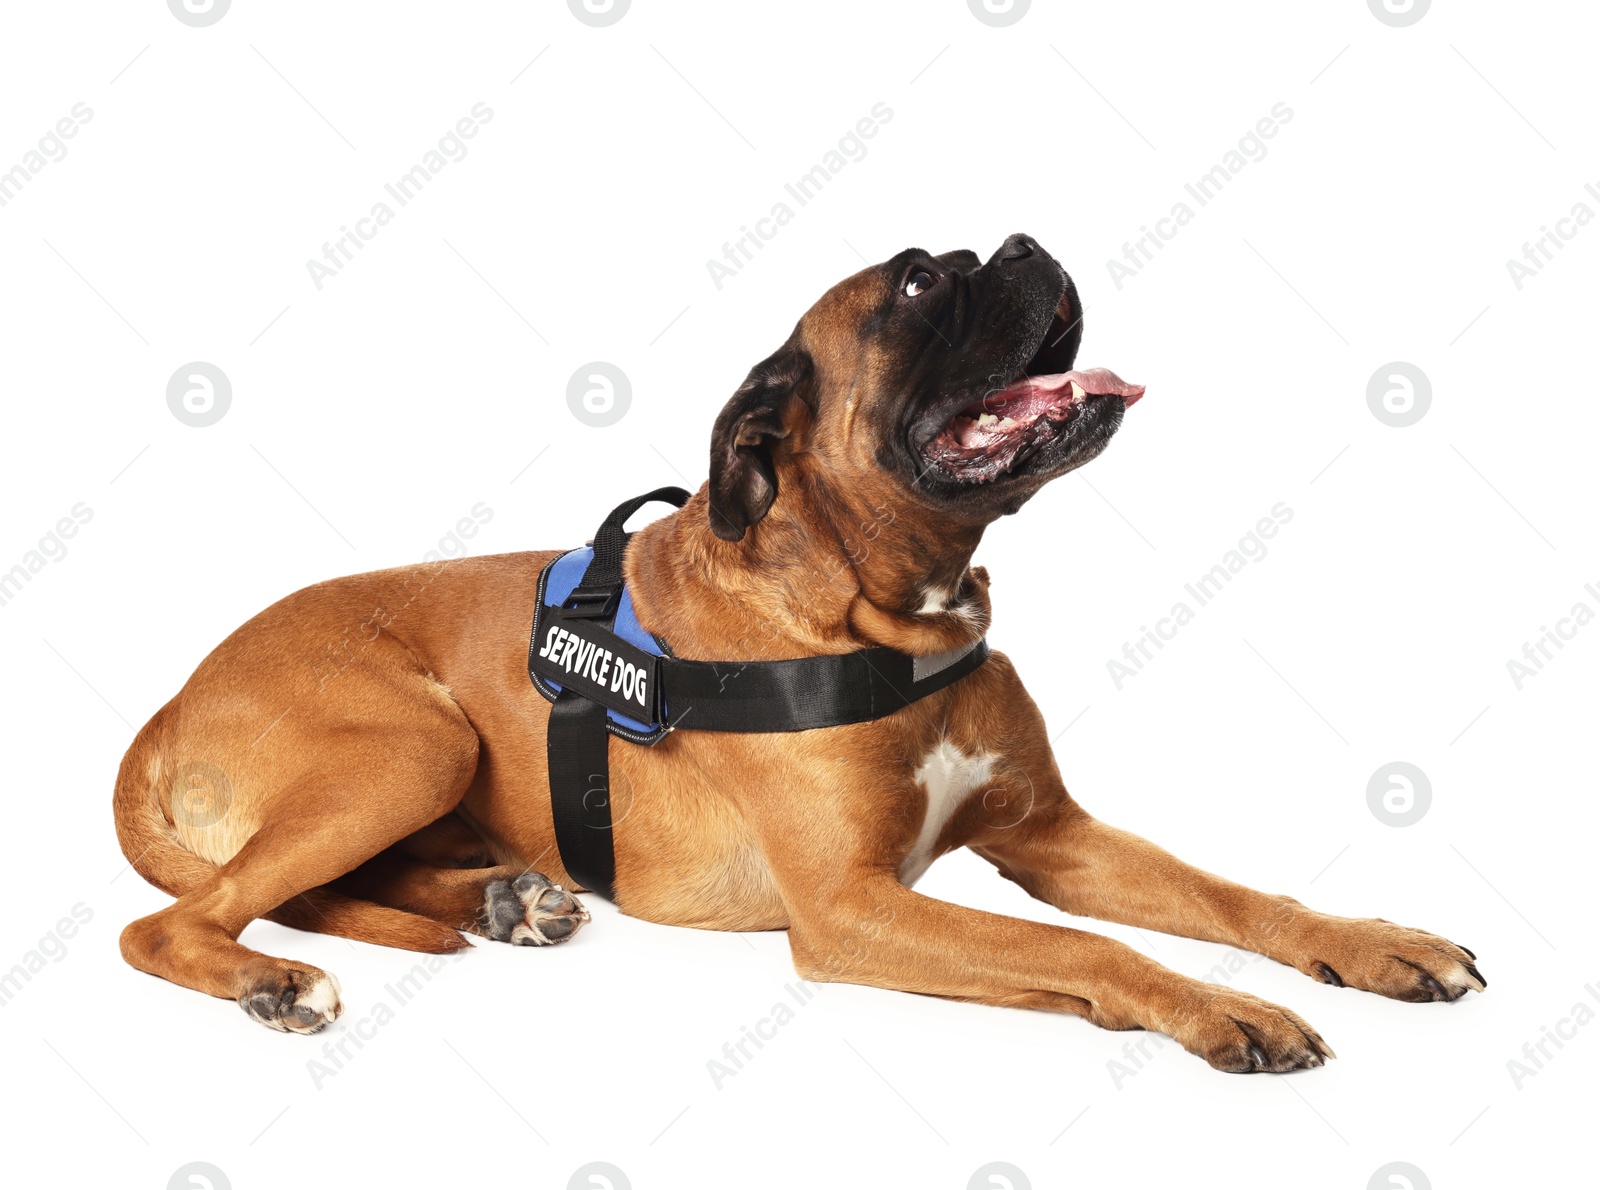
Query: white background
x=369 y=416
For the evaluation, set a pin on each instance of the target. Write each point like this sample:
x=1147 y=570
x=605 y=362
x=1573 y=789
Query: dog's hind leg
x=324 y=911
x=341 y=795
x=504 y=903
x=448 y=842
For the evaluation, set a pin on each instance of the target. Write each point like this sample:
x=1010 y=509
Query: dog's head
x=943 y=381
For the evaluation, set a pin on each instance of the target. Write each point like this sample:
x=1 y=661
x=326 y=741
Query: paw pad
x=531 y=911
x=293 y=1001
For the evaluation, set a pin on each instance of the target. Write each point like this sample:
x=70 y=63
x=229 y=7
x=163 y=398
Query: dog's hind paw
x=292 y=999
x=530 y=911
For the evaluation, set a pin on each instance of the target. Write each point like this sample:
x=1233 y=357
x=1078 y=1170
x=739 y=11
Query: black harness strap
x=580 y=790
x=577 y=743
x=730 y=696
x=806 y=692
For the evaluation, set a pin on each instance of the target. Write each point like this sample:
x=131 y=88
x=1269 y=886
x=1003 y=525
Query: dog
x=367 y=757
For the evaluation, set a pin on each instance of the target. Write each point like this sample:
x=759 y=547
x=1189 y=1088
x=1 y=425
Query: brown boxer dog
x=366 y=758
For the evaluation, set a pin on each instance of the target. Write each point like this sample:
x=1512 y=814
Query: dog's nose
x=1017 y=247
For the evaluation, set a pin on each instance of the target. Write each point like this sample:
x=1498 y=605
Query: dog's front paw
x=1243 y=1034
x=530 y=911
x=1394 y=961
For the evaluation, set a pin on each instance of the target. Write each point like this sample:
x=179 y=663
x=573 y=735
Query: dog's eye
x=918 y=281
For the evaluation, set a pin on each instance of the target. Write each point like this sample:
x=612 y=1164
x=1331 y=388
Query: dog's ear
x=744 y=482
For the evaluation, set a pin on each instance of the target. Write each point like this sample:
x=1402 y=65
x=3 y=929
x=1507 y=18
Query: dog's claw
x=1395 y=961
x=1242 y=1034
x=1427 y=983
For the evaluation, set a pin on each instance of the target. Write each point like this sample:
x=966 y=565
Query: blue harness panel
x=564 y=574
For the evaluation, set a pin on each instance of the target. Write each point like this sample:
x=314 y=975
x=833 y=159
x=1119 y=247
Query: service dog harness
x=605 y=675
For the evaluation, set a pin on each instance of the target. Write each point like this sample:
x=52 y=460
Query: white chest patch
x=949 y=776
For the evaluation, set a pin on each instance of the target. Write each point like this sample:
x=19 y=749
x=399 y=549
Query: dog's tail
x=150 y=841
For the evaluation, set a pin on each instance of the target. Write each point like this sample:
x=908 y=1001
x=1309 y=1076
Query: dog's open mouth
x=996 y=434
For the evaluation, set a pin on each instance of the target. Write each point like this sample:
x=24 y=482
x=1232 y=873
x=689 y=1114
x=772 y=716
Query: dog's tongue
x=1054 y=395
x=1005 y=421
x=1095 y=382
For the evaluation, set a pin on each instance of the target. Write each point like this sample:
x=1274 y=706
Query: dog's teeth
x=988 y=419
x=1077 y=391
x=1007 y=422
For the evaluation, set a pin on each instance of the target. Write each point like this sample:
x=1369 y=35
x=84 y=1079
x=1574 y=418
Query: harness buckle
x=590 y=605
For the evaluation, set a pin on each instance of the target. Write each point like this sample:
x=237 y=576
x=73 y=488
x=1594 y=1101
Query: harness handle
x=601 y=586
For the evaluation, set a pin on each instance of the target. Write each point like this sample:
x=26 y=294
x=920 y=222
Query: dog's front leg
x=877 y=932
x=1065 y=857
